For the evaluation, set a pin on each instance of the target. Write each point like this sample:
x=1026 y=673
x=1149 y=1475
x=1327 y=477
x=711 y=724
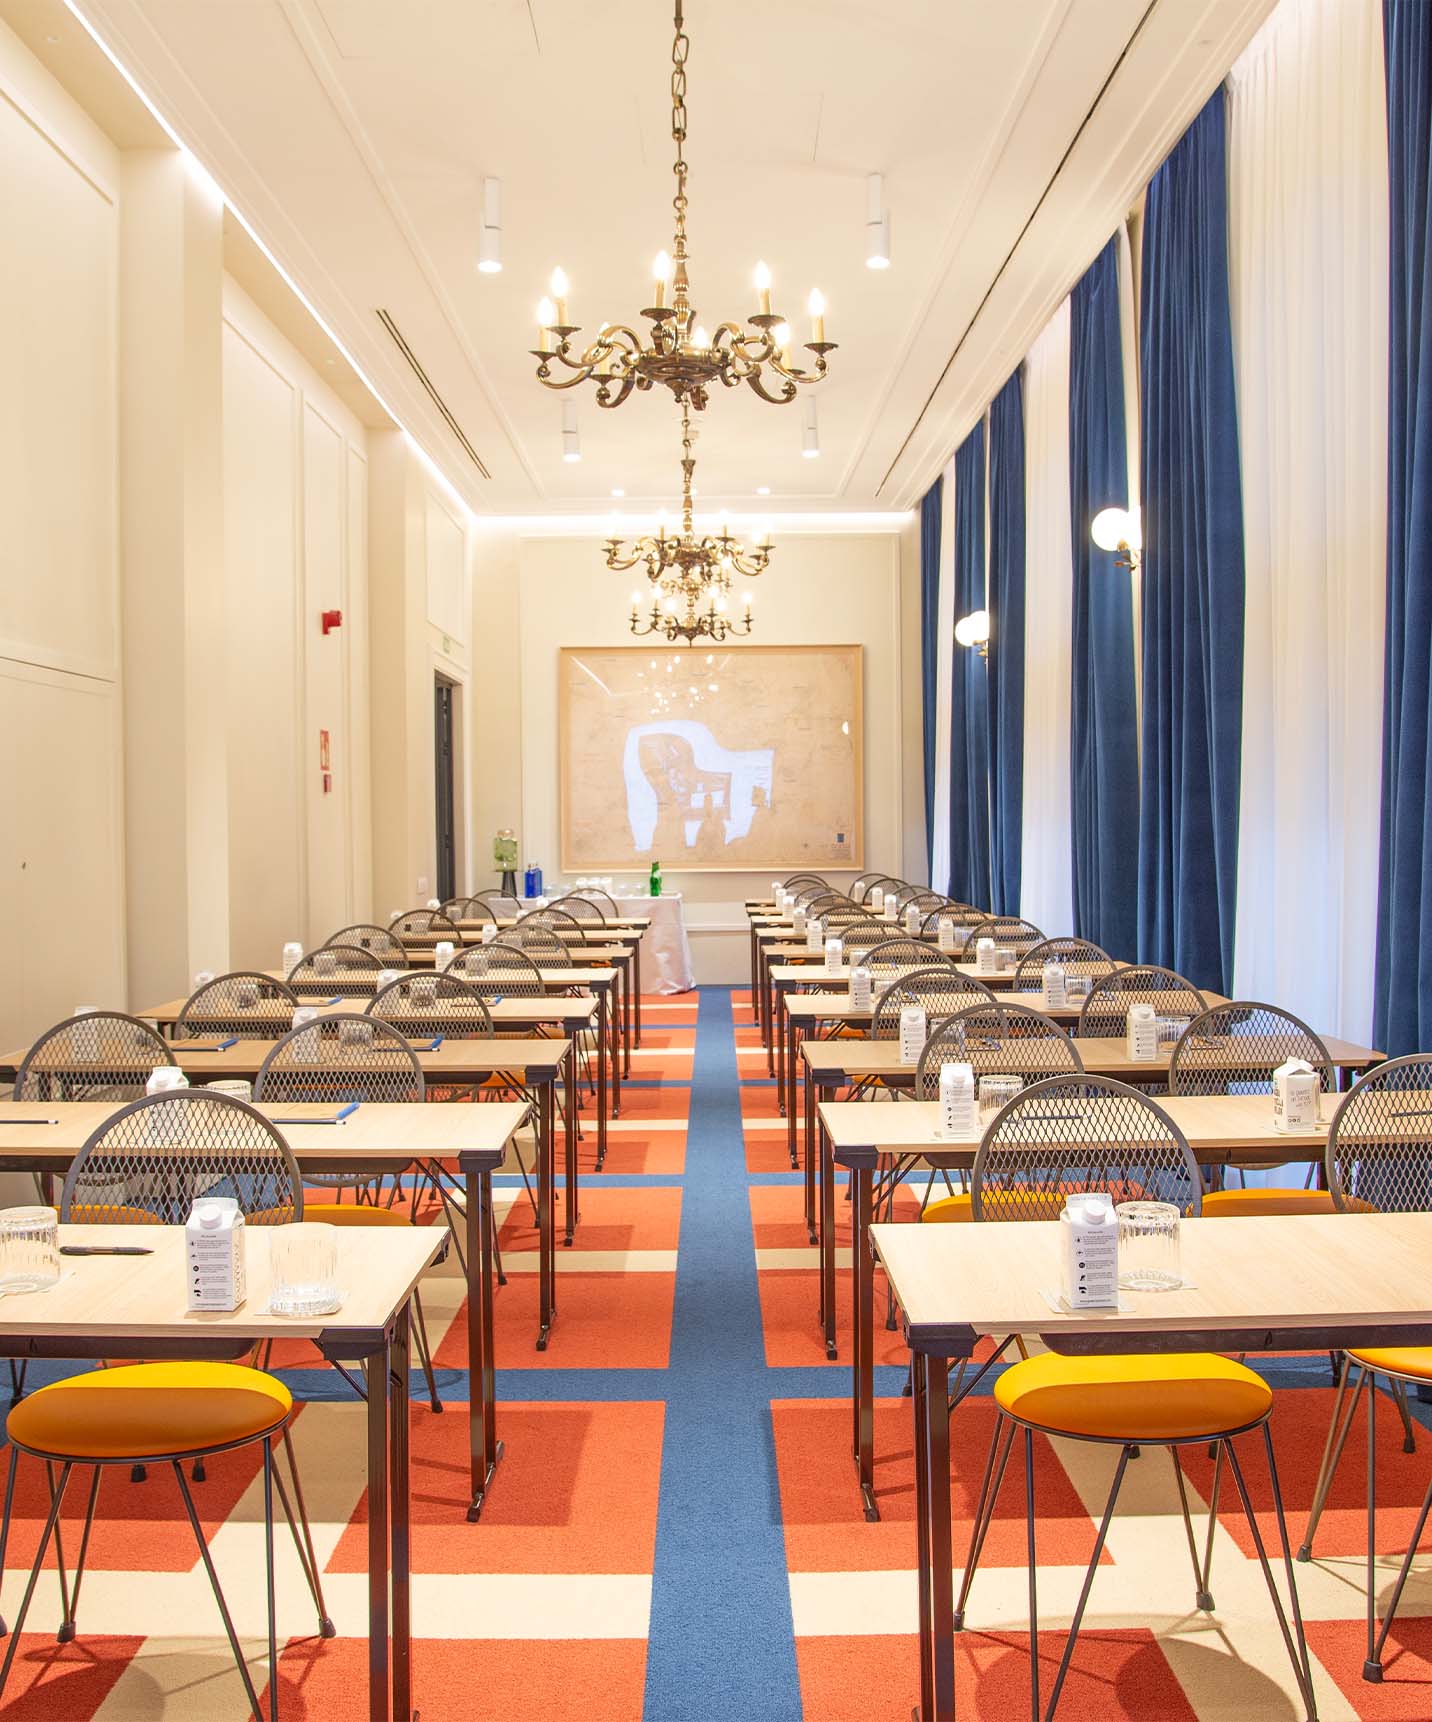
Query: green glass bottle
x=656 y=878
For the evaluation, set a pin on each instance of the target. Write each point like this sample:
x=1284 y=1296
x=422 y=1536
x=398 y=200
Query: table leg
x=827 y=1241
x=769 y=1026
x=399 y=1510
x=808 y=1149
x=483 y=1446
x=931 y=1390
x=780 y=1034
x=546 y=1201
x=376 y=1373
x=863 y=1367
x=793 y=1073
x=624 y=981
x=755 y=990
x=570 y=1158
x=609 y=1004
x=601 y=1084
x=636 y=977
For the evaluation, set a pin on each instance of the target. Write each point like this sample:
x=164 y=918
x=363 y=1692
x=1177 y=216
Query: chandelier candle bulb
x=661 y=272
x=559 y=286
x=763 y=289
x=816 y=306
x=546 y=317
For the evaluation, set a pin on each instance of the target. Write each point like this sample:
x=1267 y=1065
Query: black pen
x=105 y=1250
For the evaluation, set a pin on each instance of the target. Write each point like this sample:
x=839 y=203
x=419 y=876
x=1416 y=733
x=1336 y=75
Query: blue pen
x=336 y=999
x=224 y=1045
x=343 y=1111
x=434 y=1044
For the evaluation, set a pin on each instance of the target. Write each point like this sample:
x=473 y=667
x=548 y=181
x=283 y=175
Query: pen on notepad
x=337 y=1118
x=224 y=1045
x=29 y=1120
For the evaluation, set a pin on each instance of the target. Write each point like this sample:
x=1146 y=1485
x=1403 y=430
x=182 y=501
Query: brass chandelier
x=690 y=576
x=681 y=355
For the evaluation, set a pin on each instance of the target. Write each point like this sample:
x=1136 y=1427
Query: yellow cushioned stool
x=1156 y=1398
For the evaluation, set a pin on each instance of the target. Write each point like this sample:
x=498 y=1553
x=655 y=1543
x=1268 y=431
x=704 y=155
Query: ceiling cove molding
x=1140 y=116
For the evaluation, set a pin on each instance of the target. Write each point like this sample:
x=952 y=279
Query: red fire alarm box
x=329 y=620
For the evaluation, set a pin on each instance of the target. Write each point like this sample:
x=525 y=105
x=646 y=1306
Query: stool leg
x=51 y=1521
x=270 y=1582
x=1033 y=1560
x=303 y=1536
x=1000 y=1443
x=5 y=1521
x=67 y=1626
x=1203 y=1596
x=1332 y=1451
x=1099 y=1541
x=1294 y=1639
x=1406 y=1568
x=213 y=1577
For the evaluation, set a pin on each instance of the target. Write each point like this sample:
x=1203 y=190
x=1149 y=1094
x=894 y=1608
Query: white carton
x=912 y=919
x=815 y=934
x=1054 y=992
x=443 y=953
x=489 y=932
x=1296 y=1091
x=957 y=1099
x=1141 y=1034
x=914 y=1030
x=292 y=957
x=832 y=955
x=875 y=902
x=1089 y=1233
x=214 y=1246
x=945 y=934
x=861 y=987
x=306 y=1048
x=888 y=911
x=986 y=960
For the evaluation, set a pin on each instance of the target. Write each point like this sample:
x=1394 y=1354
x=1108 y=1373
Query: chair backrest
x=958 y=915
x=467 y=909
x=424 y=925
x=1075 y=956
x=1235 y=1048
x=1377 y=1154
x=840 y=916
x=817 y=892
x=352 y=974
x=582 y=907
x=102 y=1055
x=540 y=943
x=246 y=1003
x=602 y=898
x=1071 y=1133
x=997 y=1040
x=498 y=968
x=892 y=958
x=340 y=1058
x=1009 y=933
x=1106 y=1010
x=501 y=904
x=146 y=1164
x=430 y=1005
x=860 y=884
x=367 y=936
x=556 y=917
x=860 y=936
x=943 y=992
x=908 y=894
x=798 y=879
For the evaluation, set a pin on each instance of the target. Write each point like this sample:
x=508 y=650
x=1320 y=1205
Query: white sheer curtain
x=1308 y=266
x=940 y=841
x=1046 y=886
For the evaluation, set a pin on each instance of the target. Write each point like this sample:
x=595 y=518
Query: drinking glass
x=1148 y=1246
x=997 y=1091
x=246 y=995
x=236 y=1087
x=325 y=962
x=29 y=1249
x=303 y=1261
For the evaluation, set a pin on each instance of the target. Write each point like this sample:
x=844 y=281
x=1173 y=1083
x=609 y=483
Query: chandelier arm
x=605 y=397
x=787 y=394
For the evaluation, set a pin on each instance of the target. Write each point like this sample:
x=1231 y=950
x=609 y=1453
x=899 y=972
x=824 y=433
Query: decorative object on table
x=680 y=355
x=1089 y=1233
x=1297 y=1089
x=29 y=1258
x=504 y=858
x=532 y=880
x=748 y=762
x=1148 y=1246
x=654 y=880
x=689 y=574
x=214 y=1249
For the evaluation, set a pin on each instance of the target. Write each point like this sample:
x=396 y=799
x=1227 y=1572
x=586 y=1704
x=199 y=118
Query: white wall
x=62 y=879
x=533 y=595
x=296 y=505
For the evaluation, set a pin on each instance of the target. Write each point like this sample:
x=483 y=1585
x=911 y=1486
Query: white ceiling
x=354 y=134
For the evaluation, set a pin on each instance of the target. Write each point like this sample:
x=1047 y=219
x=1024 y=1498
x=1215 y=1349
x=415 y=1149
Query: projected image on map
x=734 y=758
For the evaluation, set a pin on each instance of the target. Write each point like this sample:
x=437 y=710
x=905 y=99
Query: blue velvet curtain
x=1191 y=580
x=969 y=689
x=1006 y=660
x=1103 y=741
x=930 y=648
x=1403 y=1007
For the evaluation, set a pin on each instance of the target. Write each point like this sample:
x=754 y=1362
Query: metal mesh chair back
x=102 y=1055
x=942 y=991
x=246 y=1003
x=841 y=916
x=502 y=905
x=996 y=1040
x=1106 y=1010
x=908 y=894
x=1235 y=1048
x=1009 y=933
x=148 y=1163
x=798 y=879
x=816 y=893
x=582 y=908
x=958 y=915
x=468 y=909
x=603 y=899
x=925 y=901
x=337 y=971
x=556 y=918
x=1076 y=956
x=892 y=958
x=540 y=943
x=341 y=1058
x=1071 y=1133
x=420 y=1006
x=1377 y=1154
x=498 y=968
x=367 y=937
x=861 y=884
x=861 y=936
x=423 y=925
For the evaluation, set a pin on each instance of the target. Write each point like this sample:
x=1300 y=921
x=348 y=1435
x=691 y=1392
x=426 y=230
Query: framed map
x=736 y=758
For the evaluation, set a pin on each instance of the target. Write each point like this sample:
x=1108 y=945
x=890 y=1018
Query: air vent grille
x=400 y=341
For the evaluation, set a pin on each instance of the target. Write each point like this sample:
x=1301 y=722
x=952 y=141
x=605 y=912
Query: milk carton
x=386 y=977
x=888 y=909
x=957 y=1099
x=443 y=953
x=489 y=932
x=203 y=978
x=1054 y=994
x=306 y=1048
x=832 y=955
x=914 y=1029
x=1141 y=1034
x=815 y=934
x=876 y=900
x=292 y=957
x=165 y=1122
x=986 y=957
x=214 y=1246
x=861 y=987
x=1089 y=1234
x=1296 y=1090
x=434 y=903
x=798 y=920
x=912 y=920
x=945 y=935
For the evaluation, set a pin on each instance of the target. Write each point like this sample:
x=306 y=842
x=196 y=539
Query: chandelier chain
x=680 y=48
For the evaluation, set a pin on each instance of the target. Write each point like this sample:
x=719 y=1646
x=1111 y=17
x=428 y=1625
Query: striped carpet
x=674 y=1534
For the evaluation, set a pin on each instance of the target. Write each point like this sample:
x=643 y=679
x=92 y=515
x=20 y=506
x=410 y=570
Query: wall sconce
x=973 y=631
x=1122 y=531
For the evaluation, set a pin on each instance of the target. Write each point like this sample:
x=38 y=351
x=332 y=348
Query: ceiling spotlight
x=810 y=431
x=489 y=235
x=618 y=492
x=877 y=223
x=571 y=440
x=763 y=490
